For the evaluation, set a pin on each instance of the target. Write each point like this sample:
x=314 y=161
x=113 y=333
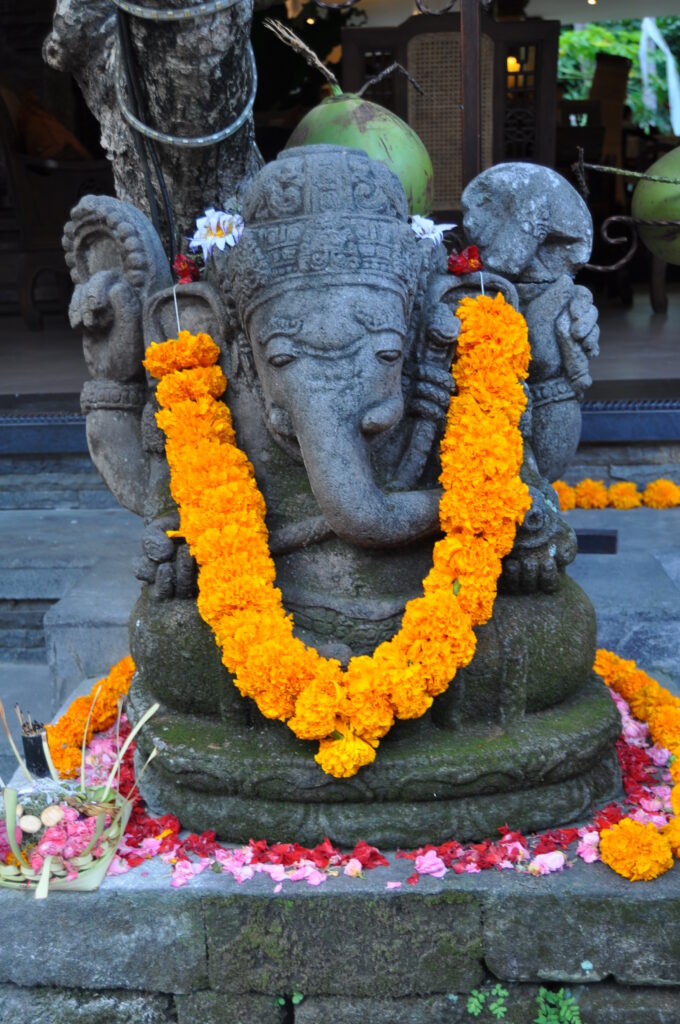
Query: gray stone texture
x=640 y=462
x=442 y=1009
x=616 y=1004
x=445 y=1009
x=87 y=630
x=631 y=934
x=74 y=1006
x=372 y=947
x=154 y=941
x=603 y=1003
x=231 y=1008
x=352 y=944
x=636 y=592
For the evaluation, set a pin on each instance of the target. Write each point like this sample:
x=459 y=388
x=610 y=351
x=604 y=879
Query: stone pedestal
x=524 y=735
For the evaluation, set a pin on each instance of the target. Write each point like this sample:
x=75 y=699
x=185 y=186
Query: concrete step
x=640 y=473
x=636 y=592
x=66 y=590
x=54 y=491
x=22 y=636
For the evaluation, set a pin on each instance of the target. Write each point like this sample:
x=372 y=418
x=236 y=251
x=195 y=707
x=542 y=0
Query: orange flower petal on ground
x=661 y=494
x=591 y=494
x=624 y=496
x=566 y=495
x=636 y=851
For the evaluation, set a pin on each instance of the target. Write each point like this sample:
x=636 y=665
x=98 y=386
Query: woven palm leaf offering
x=62 y=834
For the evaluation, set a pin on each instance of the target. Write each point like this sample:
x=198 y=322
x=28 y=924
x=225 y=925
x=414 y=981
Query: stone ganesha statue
x=337 y=329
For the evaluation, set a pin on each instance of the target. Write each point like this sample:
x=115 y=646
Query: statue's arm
x=116 y=261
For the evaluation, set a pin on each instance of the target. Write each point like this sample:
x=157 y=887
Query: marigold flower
x=661 y=494
x=672 y=833
x=189 y=385
x=664 y=726
x=675 y=799
x=566 y=495
x=636 y=851
x=591 y=494
x=183 y=353
x=624 y=496
x=645 y=701
x=343 y=757
x=65 y=736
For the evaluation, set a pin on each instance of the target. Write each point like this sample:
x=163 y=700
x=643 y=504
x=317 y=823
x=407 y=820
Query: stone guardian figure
x=338 y=329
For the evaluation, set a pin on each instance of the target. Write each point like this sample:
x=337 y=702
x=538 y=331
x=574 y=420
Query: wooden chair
x=518 y=89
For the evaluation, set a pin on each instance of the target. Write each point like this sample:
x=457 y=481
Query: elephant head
x=326 y=280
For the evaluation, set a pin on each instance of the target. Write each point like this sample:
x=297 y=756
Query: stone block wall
x=351 y=952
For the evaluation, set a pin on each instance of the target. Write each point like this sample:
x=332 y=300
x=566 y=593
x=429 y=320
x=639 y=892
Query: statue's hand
x=577 y=335
x=543 y=546
x=108 y=310
x=165 y=563
x=433 y=387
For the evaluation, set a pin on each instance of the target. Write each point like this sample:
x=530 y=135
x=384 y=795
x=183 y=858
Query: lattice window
x=434 y=61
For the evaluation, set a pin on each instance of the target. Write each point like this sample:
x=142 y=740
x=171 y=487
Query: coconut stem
x=388 y=71
x=289 y=37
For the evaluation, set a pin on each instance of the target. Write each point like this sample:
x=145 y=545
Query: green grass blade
x=43 y=886
x=82 y=749
x=121 y=753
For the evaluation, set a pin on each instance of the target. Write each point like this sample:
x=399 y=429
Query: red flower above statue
x=465 y=262
x=185 y=268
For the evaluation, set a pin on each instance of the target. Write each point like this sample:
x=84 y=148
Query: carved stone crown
x=322 y=210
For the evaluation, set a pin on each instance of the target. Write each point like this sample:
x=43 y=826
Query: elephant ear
x=105 y=234
x=195 y=307
x=450 y=289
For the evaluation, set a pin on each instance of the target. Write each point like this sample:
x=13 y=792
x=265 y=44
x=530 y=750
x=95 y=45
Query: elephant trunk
x=338 y=463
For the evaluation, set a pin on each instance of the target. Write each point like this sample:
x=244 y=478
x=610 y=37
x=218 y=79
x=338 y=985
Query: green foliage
x=496 y=1005
x=475 y=1003
x=578 y=48
x=556 y=1008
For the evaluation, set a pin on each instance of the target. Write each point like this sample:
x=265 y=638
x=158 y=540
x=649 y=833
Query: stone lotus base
x=139 y=951
x=428 y=784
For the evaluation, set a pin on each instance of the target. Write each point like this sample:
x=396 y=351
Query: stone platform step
x=354 y=952
x=54 y=490
x=636 y=592
x=66 y=589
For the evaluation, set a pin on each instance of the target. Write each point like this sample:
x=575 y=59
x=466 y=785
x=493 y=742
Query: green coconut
x=657 y=200
x=346 y=119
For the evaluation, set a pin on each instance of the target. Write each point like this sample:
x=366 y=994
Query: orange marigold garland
x=594 y=494
x=636 y=851
x=65 y=737
x=222 y=518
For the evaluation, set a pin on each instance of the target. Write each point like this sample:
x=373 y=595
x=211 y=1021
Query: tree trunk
x=194 y=78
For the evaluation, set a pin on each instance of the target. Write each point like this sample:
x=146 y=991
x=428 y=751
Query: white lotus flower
x=426 y=228
x=216 y=228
